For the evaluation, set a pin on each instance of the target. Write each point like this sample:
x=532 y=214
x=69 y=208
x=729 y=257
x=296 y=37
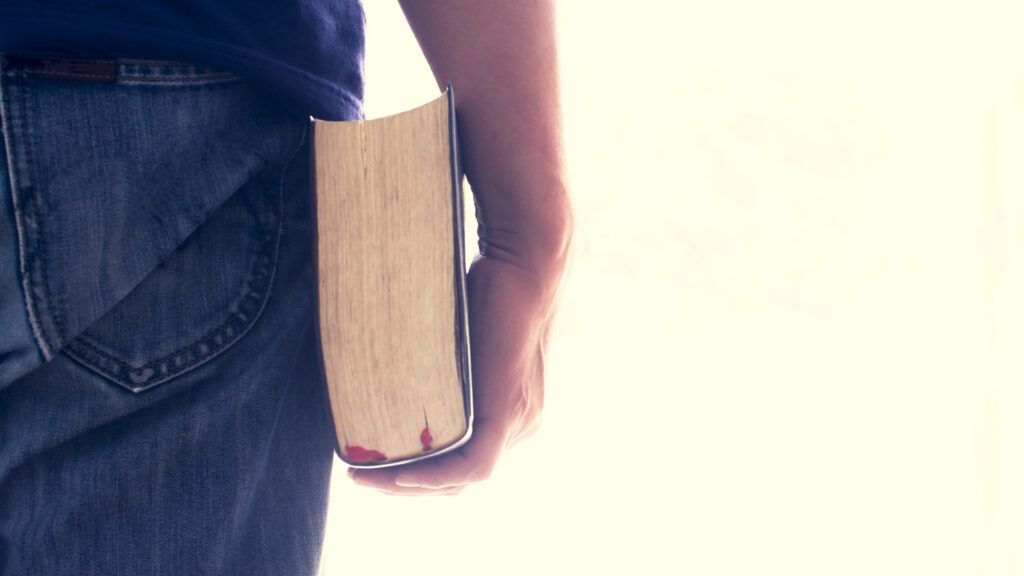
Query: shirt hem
x=152 y=42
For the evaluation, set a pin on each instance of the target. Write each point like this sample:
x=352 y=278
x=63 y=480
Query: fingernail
x=406 y=482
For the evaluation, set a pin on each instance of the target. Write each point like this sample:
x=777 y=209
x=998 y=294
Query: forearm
x=500 y=57
x=501 y=60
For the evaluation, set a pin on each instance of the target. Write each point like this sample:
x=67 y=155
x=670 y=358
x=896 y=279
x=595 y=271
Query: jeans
x=162 y=401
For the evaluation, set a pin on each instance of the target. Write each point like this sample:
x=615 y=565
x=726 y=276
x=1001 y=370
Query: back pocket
x=198 y=302
x=151 y=211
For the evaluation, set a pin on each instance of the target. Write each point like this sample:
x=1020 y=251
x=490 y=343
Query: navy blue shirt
x=307 y=53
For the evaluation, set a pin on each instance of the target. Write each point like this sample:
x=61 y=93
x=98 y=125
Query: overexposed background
x=793 y=338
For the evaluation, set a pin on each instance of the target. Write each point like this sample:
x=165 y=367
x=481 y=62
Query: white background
x=791 y=341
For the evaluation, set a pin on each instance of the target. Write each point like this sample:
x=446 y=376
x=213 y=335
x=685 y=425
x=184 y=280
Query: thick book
x=391 y=288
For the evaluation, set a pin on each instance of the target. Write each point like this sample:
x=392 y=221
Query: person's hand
x=511 y=305
x=500 y=58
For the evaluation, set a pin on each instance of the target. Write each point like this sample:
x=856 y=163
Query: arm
x=501 y=60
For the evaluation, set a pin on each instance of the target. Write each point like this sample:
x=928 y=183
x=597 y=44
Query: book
x=391 y=289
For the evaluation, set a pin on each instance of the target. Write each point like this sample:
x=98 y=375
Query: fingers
x=404 y=491
x=453 y=472
x=472 y=463
x=385 y=482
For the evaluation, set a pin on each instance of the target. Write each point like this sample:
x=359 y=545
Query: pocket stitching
x=188 y=80
x=90 y=354
x=51 y=337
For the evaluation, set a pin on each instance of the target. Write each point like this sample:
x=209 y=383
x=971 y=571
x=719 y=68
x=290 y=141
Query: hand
x=510 y=314
x=500 y=58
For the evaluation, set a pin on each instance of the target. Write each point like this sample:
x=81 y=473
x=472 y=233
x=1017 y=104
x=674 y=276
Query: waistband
x=117 y=70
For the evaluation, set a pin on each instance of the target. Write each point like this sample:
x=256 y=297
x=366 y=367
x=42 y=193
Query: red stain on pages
x=426 y=438
x=360 y=455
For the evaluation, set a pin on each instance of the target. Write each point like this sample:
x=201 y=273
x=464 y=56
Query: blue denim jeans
x=162 y=403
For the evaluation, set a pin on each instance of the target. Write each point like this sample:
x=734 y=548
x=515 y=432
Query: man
x=161 y=410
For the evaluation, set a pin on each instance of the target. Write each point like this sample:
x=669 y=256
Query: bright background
x=791 y=342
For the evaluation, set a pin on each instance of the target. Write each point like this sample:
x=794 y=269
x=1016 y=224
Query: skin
x=501 y=60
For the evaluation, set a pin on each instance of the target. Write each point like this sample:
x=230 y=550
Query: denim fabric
x=162 y=404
